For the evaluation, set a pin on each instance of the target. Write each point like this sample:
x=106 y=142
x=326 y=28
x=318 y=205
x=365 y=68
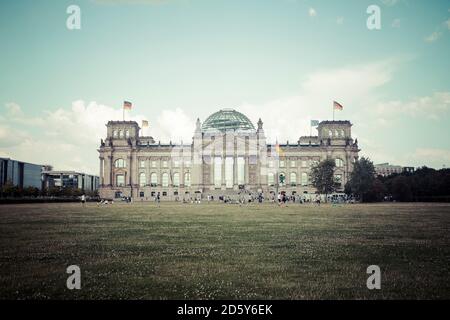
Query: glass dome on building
x=227 y=119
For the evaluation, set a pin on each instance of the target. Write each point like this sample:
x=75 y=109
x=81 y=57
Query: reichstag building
x=228 y=157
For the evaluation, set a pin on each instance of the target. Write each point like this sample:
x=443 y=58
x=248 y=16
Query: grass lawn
x=214 y=251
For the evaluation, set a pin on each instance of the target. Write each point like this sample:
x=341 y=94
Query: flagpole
x=333 y=111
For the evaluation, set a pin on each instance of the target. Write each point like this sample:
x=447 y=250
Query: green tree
x=322 y=176
x=401 y=189
x=362 y=178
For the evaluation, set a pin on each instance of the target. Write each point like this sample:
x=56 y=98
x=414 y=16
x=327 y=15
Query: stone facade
x=227 y=157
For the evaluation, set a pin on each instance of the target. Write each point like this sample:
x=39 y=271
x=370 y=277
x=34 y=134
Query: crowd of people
x=282 y=199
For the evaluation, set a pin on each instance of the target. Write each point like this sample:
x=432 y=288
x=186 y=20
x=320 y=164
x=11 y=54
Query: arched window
x=114 y=133
x=165 y=180
x=153 y=179
x=282 y=180
x=127 y=134
x=293 y=179
x=142 y=181
x=120 y=180
x=270 y=179
x=304 y=179
x=342 y=133
x=176 y=179
x=336 y=133
x=120 y=134
x=187 y=179
x=339 y=163
x=330 y=133
x=120 y=163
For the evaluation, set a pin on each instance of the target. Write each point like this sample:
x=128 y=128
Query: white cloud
x=396 y=23
x=432 y=107
x=389 y=3
x=433 y=37
x=13 y=109
x=312 y=12
x=447 y=23
x=68 y=138
x=288 y=117
x=432 y=157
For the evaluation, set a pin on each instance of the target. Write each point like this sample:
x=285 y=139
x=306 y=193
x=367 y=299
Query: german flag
x=337 y=106
x=127 y=105
x=278 y=150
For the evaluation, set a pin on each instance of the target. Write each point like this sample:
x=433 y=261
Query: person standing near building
x=83 y=199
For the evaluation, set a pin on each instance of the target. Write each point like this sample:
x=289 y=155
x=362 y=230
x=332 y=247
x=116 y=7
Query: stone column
x=235 y=171
x=247 y=167
x=223 y=172
x=109 y=171
x=101 y=171
x=129 y=171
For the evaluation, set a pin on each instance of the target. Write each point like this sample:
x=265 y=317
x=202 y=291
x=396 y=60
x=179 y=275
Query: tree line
x=425 y=184
x=9 y=190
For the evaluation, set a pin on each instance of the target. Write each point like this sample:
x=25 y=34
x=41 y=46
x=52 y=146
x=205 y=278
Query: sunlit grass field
x=218 y=251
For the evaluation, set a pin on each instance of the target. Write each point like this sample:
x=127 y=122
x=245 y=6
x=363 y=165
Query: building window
x=304 y=164
x=120 y=134
x=165 y=164
x=114 y=133
x=282 y=163
x=282 y=179
x=120 y=180
x=339 y=163
x=153 y=179
x=176 y=163
x=165 y=180
x=330 y=133
x=336 y=133
x=217 y=172
x=142 y=181
x=141 y=194
x=118 y=194
x=292 y=163
x=153 y=164
x=187 y=179
x=153 y=193
x=164 y=193
x=338 y=178
x=293 y=179
x=229 y=172
x=142 y=164
x=270 y=179
x=342 y=133
x=240 y=170
x=187 y=163
x=176 y=179
x=304 y=179
x=270 y=164
x=120 y=163
x=127 y=133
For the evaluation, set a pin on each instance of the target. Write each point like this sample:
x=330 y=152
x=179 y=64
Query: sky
x=283 y=61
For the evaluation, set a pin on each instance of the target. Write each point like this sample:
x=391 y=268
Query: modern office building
x=19 y=173
x=70 y=179
x=386 y=169
x=227 y=156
